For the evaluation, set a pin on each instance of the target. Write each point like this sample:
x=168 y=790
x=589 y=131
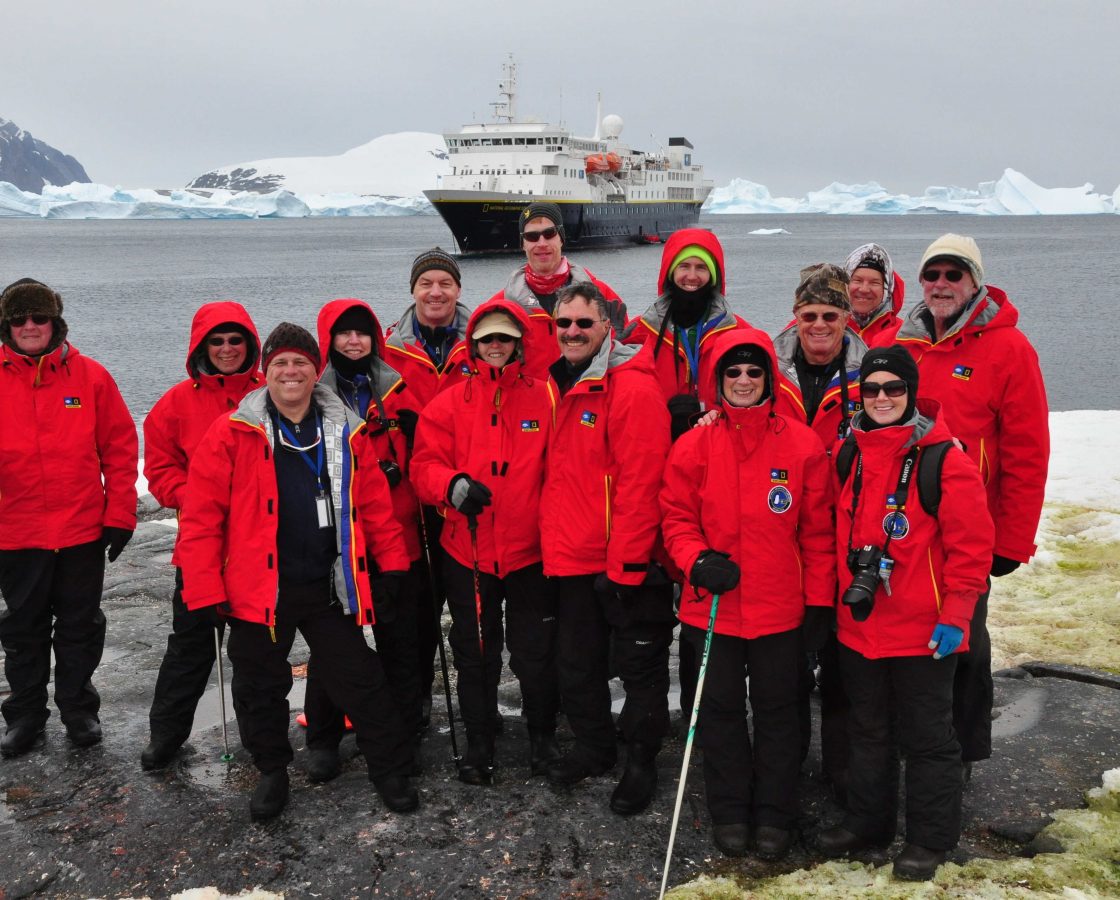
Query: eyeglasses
x=951 y=275
x=500 y=338
x=752 y=372
x=235 y=340
x=20 y=321
x=870 y=389
x=582 y=324
x=809 y=318
x=533 y=236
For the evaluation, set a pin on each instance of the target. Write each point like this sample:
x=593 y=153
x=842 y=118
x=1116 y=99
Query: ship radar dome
x=612 y=126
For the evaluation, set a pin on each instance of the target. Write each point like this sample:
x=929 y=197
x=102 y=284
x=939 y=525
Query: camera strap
x=899 y=495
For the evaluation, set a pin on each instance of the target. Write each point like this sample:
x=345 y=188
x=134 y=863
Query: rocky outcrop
x=29 y=163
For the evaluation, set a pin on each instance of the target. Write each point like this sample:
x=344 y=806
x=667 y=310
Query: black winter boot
x=158 y=754
x=476 y=766
x=270 y=796
x=639 y=780
x=543 y=749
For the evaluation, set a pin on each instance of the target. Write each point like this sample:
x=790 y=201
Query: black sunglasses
x=870 y=389
x=500 y=338
x=752 y=372
x=234 y=340
x=579 y=323
x=547 y=233
x=38 y=319
x=810 y=317
x=951 y=275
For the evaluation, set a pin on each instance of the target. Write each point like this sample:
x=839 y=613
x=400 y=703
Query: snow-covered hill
x=394 y=165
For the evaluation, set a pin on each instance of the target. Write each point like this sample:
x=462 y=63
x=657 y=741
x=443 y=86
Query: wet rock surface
x=82 y=823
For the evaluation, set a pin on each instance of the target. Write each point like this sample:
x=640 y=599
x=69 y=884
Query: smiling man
x=68 y=453
x=982 y=369
x=280 y=481
x=535 y=285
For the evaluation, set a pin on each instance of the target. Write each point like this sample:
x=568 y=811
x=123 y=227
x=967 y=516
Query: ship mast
x=505 y=108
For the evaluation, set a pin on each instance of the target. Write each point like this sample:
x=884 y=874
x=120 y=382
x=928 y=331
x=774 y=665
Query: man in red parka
x=279 y=512
x=222 y=358
x=877 y=293
x=599 y=526
x=68 y=454
x=982 y=369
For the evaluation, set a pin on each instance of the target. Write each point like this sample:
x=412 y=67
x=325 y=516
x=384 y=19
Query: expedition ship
x=610 y=194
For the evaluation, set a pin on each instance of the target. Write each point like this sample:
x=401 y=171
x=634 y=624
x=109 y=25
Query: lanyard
x=899 y=497
x=289 y=441
x=692 y=353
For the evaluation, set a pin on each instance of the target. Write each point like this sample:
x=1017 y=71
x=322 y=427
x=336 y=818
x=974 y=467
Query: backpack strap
x=845 y=456
x=929 y=475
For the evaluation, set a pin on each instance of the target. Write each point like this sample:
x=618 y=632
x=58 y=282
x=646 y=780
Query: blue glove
x=946 y=639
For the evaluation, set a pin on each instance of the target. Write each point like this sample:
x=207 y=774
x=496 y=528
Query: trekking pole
x=472 y=526
x=437 y=603
x=688 y=742
x=227 y=756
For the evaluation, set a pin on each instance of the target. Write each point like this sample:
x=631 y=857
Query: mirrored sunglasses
x=38 y=319
x=547 y=233
x=235 y=340
x=752 y=372
x=893 y=389
x=810 y=317
x=584 y=324
x=500 y=338
x=951 y=275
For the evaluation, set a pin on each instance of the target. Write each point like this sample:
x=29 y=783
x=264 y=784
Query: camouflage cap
x=822 y=283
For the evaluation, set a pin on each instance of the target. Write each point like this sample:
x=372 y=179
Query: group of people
x=827 y=506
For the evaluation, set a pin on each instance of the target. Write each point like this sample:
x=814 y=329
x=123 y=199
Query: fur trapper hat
x=28 y=297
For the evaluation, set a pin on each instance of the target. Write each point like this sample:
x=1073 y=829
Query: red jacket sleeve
x=815 y=532
x=165 y=462
x=639 y=439
x=433 y=463
x=680 y=500
x=119 y=449
x=967 y=535
x=205 y=517
x=1024 y=457
x=384 y=539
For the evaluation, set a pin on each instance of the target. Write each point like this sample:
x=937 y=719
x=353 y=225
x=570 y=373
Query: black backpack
x=930 y=460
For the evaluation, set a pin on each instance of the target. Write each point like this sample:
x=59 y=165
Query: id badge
x=324 y=510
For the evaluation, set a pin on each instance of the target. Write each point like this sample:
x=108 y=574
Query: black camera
x=864 y=564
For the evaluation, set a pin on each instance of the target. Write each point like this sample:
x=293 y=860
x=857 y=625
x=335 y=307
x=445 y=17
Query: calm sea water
x=130 y=288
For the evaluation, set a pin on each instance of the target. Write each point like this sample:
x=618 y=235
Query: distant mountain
x=393 y=165
x=28 y=163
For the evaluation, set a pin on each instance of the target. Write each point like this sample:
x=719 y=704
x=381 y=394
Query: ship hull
x=488 y=224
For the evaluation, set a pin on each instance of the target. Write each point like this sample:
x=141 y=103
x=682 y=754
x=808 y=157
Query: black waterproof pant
x=973 y=690
x=530 y=633
x=903 y=704
x=185 y=670
x=394 y=633
x=834 y=715
x=53 y=599
x=748 y=784
x=350 y=671
x=597 y=629
x=429 y=608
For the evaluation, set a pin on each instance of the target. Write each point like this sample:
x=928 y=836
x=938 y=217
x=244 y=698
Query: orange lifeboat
x=598 y=163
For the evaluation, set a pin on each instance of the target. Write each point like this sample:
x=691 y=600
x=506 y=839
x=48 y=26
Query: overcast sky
x=790 y=95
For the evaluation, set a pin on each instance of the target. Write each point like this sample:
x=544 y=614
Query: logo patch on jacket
x=892 y=501
x=587 y=417
x=779 y=476
x=854 y=406
x=896 y=525
x=964 y=373
x=464 y=369
x=530 y=425
x=779 y=499
x=72 y=402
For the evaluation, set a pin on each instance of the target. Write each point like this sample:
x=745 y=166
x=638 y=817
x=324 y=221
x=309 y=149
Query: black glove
x=392 y=472
x=624 y=592
x=115 y=539
x=715 y=572
x=468 y=496
x=216 y=614
x=1001 y=565
x=407 y=420
x=682 y=410
x=817 y=626
x=387 y=588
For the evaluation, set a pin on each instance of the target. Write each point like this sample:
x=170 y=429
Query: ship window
x=506 y=142
x=519 y=141
x=581 y=174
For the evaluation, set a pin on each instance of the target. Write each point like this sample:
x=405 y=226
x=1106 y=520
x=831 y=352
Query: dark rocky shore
x=90 y=823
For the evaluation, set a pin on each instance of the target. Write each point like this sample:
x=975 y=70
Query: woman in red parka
x=480 y=456
x=902 y=622
x=750 y=495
